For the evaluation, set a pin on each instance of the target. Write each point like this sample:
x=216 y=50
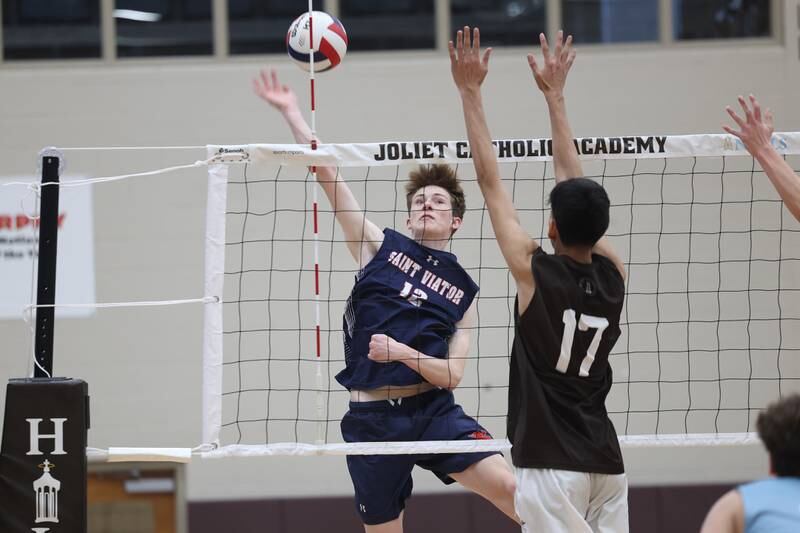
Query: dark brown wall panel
x=652 y=510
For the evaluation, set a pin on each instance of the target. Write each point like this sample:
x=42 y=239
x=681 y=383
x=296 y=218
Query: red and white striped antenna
x=320 y=396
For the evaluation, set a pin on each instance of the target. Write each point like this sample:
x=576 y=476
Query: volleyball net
x=709 y=328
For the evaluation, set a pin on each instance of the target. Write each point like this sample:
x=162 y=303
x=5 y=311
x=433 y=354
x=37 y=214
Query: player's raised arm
x=755 y=131
x=363 y=237
x=726 y=516
x=551 y=78
x=469 y=69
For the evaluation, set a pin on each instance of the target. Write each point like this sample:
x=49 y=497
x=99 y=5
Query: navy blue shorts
x=383 y=482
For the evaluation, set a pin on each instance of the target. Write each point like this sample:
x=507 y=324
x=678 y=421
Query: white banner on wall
x=19 y=248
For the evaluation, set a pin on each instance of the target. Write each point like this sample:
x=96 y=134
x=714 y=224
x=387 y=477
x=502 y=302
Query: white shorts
x=556 y=501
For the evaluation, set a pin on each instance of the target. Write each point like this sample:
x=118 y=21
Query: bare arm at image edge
x=726 y=515
x=755 y=132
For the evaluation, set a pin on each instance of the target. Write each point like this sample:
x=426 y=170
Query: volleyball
x=330 y=41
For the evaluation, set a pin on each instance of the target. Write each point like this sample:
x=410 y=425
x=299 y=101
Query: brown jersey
x=559 y=375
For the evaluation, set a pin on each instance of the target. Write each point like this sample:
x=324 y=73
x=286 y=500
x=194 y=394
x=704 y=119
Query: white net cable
x=34 y=189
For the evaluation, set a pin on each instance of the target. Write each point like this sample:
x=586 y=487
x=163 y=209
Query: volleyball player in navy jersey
x=407 y=333
x=567 y=459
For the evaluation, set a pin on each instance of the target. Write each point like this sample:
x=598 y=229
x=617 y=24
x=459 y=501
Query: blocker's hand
x=551 y=75
x=755 y=129
x=469 y=69
x=268 y=88
x=384 y=349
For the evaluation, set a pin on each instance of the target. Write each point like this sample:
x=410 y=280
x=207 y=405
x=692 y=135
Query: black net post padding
x=43 y=456
x=48 y=249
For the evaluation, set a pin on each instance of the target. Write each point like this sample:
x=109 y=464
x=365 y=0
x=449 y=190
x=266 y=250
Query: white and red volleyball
x=330 y=41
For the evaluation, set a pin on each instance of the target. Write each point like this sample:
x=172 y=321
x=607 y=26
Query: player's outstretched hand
x=268 y=88
x=384 y=349
x=755 y=129
x=468 y=67
x=551 y=74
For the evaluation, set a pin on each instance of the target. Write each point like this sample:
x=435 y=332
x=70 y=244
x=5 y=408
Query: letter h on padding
x=58 y=436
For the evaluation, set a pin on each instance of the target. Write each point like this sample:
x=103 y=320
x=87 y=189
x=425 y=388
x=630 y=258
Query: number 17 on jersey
x=585 y=323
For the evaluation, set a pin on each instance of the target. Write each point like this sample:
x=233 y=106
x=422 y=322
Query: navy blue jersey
x=412 y=293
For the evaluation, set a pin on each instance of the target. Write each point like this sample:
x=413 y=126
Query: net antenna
x=315 y=188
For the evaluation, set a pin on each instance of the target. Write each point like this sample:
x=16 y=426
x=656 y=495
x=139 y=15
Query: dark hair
x=442 y=176
x=779 y=428
x=580 y=209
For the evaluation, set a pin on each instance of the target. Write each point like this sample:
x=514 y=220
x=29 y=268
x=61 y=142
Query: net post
x=214 y=286
x=43 y=477
x=48 y=249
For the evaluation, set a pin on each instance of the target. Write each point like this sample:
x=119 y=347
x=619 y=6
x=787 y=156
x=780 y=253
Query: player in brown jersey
x=570 y=475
